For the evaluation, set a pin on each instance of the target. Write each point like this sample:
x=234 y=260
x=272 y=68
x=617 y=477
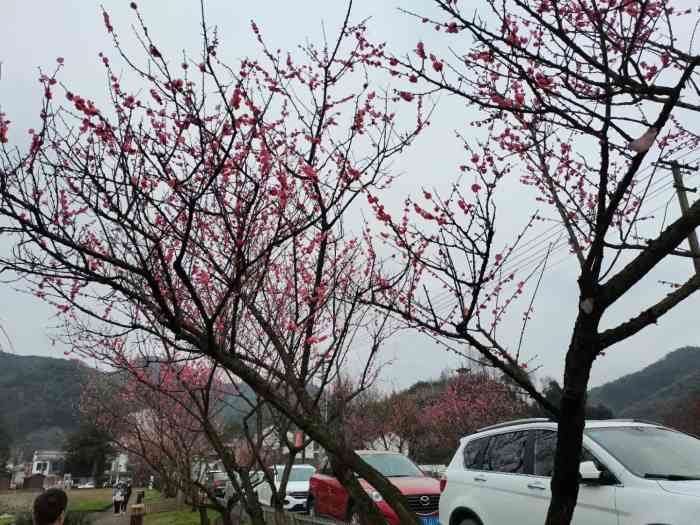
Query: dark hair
x=48 y=506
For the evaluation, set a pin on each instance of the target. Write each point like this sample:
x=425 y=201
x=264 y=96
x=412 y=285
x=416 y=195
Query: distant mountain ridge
x=40 y=396
x=39 y=399
x=654 y=391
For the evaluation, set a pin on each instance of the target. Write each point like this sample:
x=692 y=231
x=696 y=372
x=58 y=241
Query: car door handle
x=536 y=486
x=479 y=478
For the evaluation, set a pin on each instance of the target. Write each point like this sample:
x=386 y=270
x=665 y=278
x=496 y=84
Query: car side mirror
x=589 y=473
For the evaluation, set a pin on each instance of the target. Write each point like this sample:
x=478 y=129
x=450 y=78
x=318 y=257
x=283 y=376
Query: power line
x=539 y=244
x=529 y=253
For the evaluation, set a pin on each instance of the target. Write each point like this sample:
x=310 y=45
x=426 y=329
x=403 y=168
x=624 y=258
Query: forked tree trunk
x=254 y=511
x=279 y=517
x=572 y=420
x=227 y=513
x=226 y=517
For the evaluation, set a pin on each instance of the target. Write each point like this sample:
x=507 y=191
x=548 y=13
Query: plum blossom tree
x=165 y=414
x=204 y=210
x=574 y=101
x=171 y=412
x=382 y=422
x=427 y=423
x=469 y=401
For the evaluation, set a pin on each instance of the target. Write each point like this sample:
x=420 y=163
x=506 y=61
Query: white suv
x=297 y=487
x=632 y=473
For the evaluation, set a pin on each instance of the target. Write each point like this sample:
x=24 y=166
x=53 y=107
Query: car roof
x=548 y=423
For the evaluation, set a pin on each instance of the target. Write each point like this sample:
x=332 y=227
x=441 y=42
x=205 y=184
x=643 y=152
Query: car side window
x=473 y=453
x=507 y=453
x=544 y=448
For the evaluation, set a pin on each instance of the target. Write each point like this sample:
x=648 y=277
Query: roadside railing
x=297 y=519
x=166 y=505
x=288 y=518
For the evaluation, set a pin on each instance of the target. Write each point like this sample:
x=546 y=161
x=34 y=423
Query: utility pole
x=681 y=191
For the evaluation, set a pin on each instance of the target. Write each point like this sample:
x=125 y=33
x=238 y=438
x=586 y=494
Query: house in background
x=276 y=449
x=48 y=462
x=118 y=468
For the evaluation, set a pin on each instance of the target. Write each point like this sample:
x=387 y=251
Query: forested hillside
x=655 y=390
x=39 y=399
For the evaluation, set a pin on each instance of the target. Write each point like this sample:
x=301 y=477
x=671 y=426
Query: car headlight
x=376 y=496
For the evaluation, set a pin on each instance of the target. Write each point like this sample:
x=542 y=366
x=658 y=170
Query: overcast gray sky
x=34 y=32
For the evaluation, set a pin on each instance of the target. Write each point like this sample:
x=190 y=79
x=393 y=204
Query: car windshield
x=298 y=473
x=393 y=465
x=651 y=452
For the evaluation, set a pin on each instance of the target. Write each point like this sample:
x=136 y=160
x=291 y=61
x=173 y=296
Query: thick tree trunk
x=254 y=510
x=280 y=518
x=565 y=480
x=226 y=517
x=248 y=499
x=203 y=516
x=278 y=492
x=278 y=504
x=169 y=488
x=367 y=511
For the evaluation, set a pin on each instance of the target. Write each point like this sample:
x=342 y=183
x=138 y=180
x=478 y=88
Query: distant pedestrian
x=50 y=507
x=118 y=497
x=127 y=495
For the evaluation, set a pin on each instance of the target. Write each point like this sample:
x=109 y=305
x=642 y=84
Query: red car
x=327 y=497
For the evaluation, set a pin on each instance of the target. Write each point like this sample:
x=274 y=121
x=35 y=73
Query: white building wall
x=48 y=462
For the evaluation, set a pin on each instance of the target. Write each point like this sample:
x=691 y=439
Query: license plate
x=429 y=520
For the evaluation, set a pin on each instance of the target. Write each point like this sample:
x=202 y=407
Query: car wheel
x=310 y=509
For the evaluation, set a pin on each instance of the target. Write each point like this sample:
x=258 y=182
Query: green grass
x=97 y=505
x=181 y=517
x=151 y=496
x=6 y=521
x=97 y=500
x=89 y=500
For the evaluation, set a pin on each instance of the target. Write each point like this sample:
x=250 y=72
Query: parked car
x=297 y=491
x=223 y=495
x=329 y=498
x=631 y=473
x=86 y=485
x=216 y=481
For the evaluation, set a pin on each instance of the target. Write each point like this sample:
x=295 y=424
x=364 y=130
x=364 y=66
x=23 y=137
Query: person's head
x=50 y=507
